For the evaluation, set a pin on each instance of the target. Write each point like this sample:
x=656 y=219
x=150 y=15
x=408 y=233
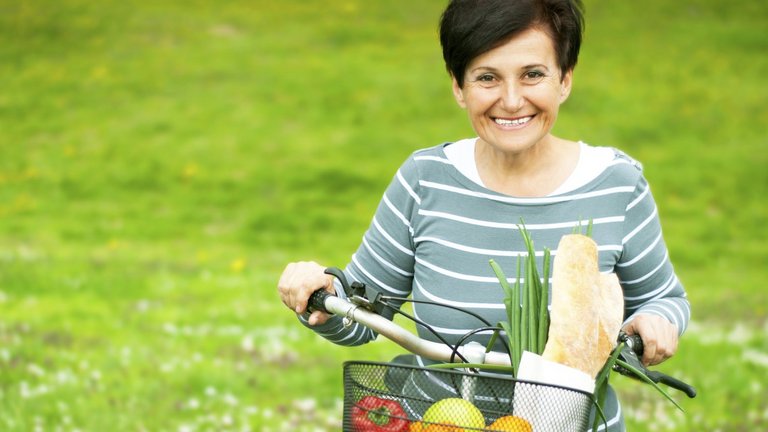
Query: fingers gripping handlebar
x=317 y=300
x=632 y=353
x=356 y=291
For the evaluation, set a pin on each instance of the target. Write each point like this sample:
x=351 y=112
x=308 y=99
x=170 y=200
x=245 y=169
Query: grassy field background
x=161 y=161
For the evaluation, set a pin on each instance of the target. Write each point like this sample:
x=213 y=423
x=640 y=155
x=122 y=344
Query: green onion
x=517 y=315
x=527 y=324
x=512 y=312
x=647 y=380
x=544 y=304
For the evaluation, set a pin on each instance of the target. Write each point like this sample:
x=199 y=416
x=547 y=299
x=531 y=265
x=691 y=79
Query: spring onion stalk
x=481 y=366
x=517 y=315
x=647 y=380
x=601 y=382
x=524 y=313
x=544 y=304
x=512 y=310
x=530 y=310
x=492 y=341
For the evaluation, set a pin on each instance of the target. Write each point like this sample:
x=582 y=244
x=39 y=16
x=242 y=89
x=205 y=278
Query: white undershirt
x=592 y=162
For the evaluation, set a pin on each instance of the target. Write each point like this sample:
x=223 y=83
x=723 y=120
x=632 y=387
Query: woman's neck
x=536 y=172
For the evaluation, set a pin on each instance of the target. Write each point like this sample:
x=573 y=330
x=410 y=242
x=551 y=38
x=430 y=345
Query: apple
x=456 y=412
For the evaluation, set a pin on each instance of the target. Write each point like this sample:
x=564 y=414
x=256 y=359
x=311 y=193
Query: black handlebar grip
x=317 y=301
x=673 y=382
x=636 y=343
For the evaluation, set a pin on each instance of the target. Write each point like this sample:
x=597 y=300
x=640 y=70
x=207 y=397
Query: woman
x=452 y=207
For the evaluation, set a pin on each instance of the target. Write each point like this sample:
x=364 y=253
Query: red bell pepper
x=375 y=414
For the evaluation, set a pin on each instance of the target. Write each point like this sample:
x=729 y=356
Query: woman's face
x=512 y=93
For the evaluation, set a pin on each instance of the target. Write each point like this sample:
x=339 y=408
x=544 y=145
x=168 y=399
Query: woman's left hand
x=659 y=336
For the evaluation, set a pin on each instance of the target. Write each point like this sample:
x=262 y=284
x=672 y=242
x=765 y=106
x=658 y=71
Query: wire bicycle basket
x=525 y=405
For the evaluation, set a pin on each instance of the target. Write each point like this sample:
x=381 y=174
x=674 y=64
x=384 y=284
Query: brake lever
x=357 y=292
x=630 y=354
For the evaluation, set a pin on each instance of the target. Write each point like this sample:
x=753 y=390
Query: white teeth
x=515 y=122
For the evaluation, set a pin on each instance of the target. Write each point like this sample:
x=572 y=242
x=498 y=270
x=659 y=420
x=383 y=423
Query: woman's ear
x=458 y=93
x=565 y=86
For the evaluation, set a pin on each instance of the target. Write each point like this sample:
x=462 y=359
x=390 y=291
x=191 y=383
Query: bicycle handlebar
x=473 y=351
x=326 y=302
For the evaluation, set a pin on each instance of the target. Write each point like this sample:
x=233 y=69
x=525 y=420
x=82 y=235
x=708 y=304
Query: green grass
x=161 y=161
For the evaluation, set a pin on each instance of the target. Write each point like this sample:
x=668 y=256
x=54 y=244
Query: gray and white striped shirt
x=435 y=231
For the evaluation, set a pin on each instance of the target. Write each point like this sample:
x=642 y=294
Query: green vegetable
x=527 y=324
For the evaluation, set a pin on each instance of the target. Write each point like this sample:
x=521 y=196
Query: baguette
x=586 y=309
x=611 y=313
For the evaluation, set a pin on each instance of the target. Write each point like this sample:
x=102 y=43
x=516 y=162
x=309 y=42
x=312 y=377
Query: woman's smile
x=512 y=123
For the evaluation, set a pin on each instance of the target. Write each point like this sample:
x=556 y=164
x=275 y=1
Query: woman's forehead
x=529 y=48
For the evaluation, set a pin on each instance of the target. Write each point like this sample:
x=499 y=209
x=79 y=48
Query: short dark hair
x=469 y=28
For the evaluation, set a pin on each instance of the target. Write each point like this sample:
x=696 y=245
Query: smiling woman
x=512 y=95
x=452 y=207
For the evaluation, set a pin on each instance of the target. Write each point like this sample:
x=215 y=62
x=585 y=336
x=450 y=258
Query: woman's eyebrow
x=484 y=69
x=535 y=65
x=494 y=69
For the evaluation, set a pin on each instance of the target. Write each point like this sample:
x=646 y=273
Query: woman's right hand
x=298 y=281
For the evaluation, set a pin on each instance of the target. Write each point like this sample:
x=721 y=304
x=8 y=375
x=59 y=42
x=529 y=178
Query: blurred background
x=161 y=161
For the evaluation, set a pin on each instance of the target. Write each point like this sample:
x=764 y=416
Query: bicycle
x=390 y=397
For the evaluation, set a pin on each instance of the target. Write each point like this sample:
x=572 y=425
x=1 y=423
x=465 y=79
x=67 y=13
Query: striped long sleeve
x=435 y=231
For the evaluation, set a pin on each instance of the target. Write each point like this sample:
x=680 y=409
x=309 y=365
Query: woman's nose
x=511 y=98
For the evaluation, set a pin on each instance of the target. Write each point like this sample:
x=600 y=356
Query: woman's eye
x=533 y=76
x=486 y=78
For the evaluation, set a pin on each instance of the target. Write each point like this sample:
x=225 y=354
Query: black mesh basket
x=500 y=400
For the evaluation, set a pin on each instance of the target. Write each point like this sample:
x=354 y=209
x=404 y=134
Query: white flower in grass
x=755 y=357
x=193 y=404
x=210 y=391
x=740 y=334
x=247 y=344
x=64 y=377
x=24 y=390
x=230 y=399
x=251 y=410
x=170 y=328
x=306 y=405
x=35 y=370
x=143 y=305
x=226 y=420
